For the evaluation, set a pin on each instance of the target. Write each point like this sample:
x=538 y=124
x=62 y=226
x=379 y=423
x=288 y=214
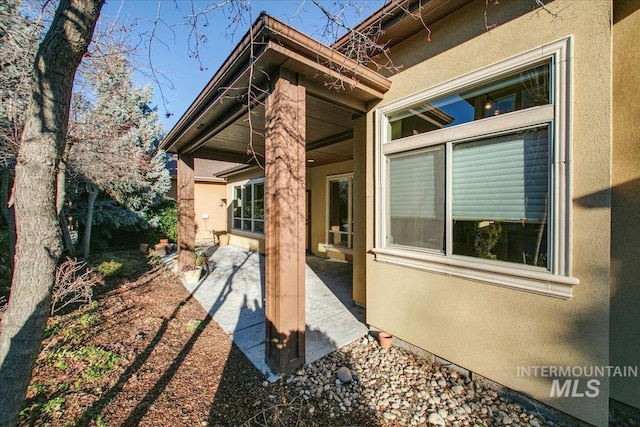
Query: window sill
x=337 y=248
x=523 y=279
x=254 y=234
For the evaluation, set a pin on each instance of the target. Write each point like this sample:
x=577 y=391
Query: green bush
x=163 y=220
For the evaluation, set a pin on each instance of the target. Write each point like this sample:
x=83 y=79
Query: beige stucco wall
x=625 y=200
x=484 y=328
x=359 y=210
x=207 y=198
x=317 y=184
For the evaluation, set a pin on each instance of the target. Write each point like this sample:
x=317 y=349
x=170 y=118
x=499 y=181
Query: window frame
x=243 y=185
x=554 y=281
x=349 y=233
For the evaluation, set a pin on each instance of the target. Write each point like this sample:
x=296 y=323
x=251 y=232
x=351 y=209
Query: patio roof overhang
x=216 y=125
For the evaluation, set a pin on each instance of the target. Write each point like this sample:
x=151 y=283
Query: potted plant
x=385 y=339
x=192 y=273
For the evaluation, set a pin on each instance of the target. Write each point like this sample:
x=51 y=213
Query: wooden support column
x=186 y=211
x=285 y=184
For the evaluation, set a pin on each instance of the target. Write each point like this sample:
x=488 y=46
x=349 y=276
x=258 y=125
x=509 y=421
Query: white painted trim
x=557 y=50
x=486 y=128
x=557 y=280
x=496 y=273
x=243 y=184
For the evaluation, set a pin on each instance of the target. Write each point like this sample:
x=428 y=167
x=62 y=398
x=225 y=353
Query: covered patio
x=234 y=293
x=282 y=101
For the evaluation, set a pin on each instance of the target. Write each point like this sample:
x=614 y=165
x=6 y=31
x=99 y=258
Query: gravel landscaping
x=400 y=388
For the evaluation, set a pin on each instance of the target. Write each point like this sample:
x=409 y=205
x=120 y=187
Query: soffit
x=329 y=135
x=219 y=113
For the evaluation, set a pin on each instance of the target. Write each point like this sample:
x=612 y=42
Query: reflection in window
x=516 y=92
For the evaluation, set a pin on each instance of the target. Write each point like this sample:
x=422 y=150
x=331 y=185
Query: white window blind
x=503 y=178
x=413 y=184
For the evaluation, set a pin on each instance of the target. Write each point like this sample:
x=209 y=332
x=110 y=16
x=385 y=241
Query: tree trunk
x=86 y=237
x=38 y=243
x=8 y=212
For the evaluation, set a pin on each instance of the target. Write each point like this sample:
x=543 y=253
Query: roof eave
x=287 y=45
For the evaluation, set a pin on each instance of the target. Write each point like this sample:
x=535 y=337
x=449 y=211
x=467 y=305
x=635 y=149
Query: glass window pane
x=416 y=195
x=504 y=178
x=518 y=242
x=500 y=197
x=258 y=226
x=247 y=202
x=339 y=205
x=237 y=223
x=338 y=239
x=237 y=202
x=515 y=92
x=258 y=203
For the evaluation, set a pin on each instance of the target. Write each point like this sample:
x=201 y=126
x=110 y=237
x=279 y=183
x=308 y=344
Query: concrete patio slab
x=233 y=294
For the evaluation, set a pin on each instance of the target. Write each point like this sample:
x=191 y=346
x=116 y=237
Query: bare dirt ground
x=146 y=353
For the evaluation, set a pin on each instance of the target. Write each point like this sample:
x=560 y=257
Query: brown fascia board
x=389 y=16
x=214 y=180
x=323 y=54
x=269 y=32
x=226 y=174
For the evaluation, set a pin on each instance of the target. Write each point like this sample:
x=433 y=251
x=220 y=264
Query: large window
x=248 y=206
x=474 y=176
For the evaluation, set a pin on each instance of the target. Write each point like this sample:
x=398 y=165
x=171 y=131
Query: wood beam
x=330 y=140
x=285 y=186
x=225 y=156
x=186 y=211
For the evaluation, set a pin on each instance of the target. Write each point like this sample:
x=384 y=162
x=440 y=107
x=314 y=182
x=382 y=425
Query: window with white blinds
x=502 y=179
x=416 y=194
x=474 y=175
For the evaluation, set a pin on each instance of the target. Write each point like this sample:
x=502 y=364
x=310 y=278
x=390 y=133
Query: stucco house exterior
x=210 y=195
x=485 y=187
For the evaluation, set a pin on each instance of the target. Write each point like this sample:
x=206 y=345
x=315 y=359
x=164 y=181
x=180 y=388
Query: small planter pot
x=385 y=339
x=193 y=276
x=144 y=247
x=223 y=240
x=164 y=241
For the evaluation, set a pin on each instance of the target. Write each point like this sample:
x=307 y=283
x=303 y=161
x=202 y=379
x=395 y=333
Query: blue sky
x=183 y=77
